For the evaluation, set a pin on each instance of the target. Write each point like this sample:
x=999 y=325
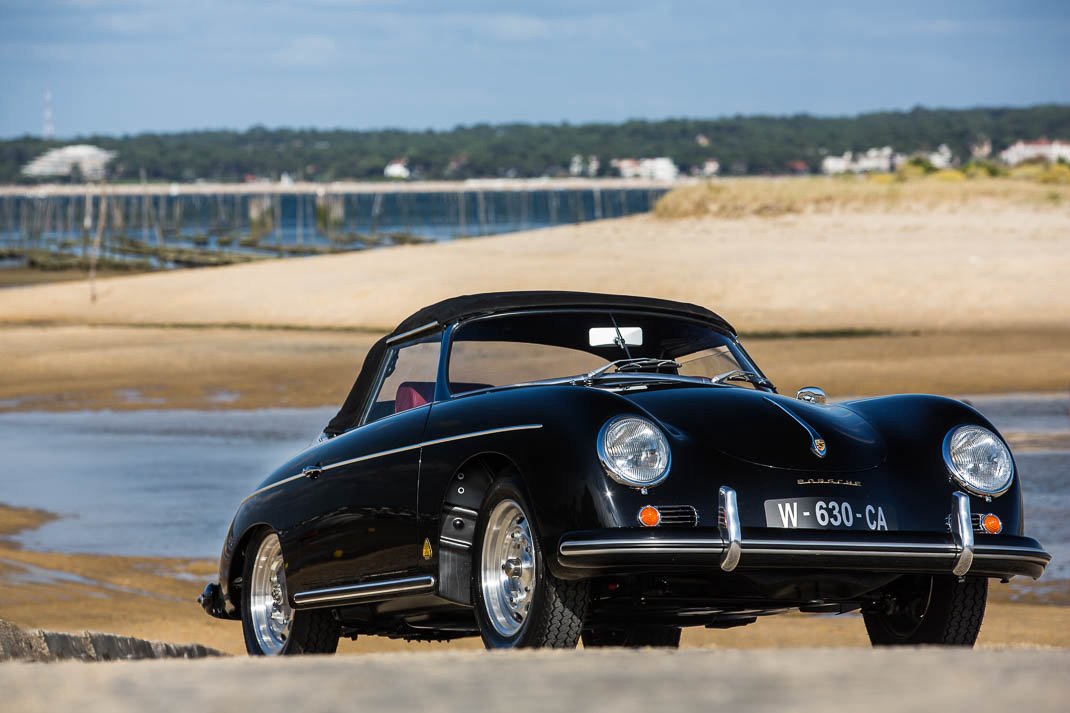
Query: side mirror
x=812 y=395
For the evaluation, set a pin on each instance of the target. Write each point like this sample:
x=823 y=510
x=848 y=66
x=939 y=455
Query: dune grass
x=771 y=197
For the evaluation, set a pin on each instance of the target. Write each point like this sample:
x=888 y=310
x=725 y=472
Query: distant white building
x=1050 y=151
x=835 y=165
x=654 y=169
x=575 y=166
x=398 y=168
x=90 y=162
x=711 y=167
x=940 y=158
x=580 y=166
x=874 y=160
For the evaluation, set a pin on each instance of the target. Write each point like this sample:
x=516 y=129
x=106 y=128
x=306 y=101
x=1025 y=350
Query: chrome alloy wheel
x=508 y=567
x=269 y=605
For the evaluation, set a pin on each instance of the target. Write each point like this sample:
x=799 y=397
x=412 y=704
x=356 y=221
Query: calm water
x=225 y=221
x=167 y=482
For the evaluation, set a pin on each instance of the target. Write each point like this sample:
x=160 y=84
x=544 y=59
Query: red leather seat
x=411 y=394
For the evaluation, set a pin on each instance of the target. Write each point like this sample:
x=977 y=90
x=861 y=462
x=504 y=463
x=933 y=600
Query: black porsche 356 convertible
x=539 y=468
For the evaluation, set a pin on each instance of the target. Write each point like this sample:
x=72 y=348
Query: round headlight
x=634 y=451
x=978 y=460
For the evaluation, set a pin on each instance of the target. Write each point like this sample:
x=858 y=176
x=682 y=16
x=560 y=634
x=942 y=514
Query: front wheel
x=519 y=604
x=919 y=609
x=666 y=637
x=271 y=626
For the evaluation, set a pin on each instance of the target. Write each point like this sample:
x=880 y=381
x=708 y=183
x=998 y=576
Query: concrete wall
x=37 y=645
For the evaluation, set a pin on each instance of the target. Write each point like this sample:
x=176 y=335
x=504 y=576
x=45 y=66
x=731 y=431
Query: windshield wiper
x=624 y=366
x=742 y=375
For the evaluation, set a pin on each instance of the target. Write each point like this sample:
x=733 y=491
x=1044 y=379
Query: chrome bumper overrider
x=630 y=549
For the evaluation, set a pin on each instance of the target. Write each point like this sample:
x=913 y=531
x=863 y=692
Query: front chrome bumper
x=729 y=548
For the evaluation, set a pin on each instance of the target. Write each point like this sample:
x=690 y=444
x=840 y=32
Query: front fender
x=914 y=426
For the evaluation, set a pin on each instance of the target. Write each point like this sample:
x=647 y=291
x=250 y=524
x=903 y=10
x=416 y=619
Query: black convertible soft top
x=465 y=306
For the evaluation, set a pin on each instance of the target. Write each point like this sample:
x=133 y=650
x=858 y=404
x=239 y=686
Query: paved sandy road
x=617 y=682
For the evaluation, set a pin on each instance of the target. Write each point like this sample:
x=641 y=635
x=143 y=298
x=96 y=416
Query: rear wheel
x=518 y=602
x=667 y=637
x=921 y=609
x=271 y=626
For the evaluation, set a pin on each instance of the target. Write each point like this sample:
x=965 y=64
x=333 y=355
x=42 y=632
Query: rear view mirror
x=812 y=395
x=607 y=336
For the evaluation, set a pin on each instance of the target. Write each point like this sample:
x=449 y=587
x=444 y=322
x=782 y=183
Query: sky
x=131 y=66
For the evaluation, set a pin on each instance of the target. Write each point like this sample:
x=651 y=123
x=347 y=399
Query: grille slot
x=975 y=520
x=678 y=516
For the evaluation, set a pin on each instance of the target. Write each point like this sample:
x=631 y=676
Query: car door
x=366 y=519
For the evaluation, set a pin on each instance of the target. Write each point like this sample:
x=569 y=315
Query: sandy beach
x=977 y=267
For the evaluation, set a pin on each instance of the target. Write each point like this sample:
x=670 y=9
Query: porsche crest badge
x=820 y=449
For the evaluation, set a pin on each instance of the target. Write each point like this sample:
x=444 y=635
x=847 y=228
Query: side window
x=409 y=380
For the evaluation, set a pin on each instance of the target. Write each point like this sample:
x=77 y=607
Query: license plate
x=828 y=514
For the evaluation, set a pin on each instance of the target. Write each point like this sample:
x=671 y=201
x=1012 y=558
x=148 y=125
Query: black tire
x=662 y=637
x=936 y=610
x=313 y=631
x=555 y=618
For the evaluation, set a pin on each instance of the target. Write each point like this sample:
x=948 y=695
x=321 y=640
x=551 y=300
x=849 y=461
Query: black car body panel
x=395 y=500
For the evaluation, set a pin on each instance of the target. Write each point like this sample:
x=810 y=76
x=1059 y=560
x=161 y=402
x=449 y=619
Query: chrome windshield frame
x=443 y=393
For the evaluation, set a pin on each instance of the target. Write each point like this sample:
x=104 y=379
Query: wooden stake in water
x=95 y=252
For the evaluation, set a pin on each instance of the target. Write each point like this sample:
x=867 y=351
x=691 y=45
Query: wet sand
x=81 y=367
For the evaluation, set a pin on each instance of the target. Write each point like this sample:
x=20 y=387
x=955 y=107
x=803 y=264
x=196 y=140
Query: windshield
x=526 y=347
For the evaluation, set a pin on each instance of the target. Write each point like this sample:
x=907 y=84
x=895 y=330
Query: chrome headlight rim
x=964 y=482
x=607 y=463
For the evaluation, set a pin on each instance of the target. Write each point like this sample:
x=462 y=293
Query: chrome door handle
x=312 y=472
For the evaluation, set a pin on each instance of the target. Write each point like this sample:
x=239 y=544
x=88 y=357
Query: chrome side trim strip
x=413 y=332
x=435 y=442
x=276 y=484
x=728 y=523
x=962 y=531
x=395 y=451
x=365 y=592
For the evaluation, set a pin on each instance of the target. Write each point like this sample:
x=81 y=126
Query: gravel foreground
x=620 y=681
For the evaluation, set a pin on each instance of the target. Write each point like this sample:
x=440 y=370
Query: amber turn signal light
x=992 y=524
x=649 y=516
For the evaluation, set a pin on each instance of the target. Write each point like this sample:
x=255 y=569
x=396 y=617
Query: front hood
x=766 y=429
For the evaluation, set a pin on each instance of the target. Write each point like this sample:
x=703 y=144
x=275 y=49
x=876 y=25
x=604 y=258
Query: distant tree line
x=742 y=144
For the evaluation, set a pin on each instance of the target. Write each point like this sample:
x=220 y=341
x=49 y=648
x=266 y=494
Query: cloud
x=306 y=51
x=511 y=27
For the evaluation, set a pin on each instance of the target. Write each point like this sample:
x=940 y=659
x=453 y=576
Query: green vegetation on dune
x=742 y=144
x=876 y=192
